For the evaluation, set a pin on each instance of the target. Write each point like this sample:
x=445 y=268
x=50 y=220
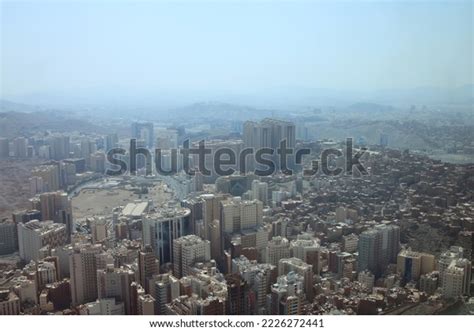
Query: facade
x=9 y=303
x=237 y=214
x=163 y=288
x=411 y=265
x=34 y=235
x=8 y=237
x=187 y=251
x=83 y=264
x=115 y=283
x=148 y=265
x=161 y=229
x=378 y=248
x=278 y=248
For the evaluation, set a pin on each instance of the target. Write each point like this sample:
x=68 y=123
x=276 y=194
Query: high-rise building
x=445 y=259
x=50 y=175
x=377 y=248
x=350 y=243
x=148 y=265
x=187 y=251
x=8 y=237
x=457 y=279
x=59 y=147
x=68 y=173
x=306 y=247
x=411 y=265
x=34 y=235
x=55 y=206
x=466 y=241
x=9 y=303
x=237 y=214
x=146 y=304
x=20 y=147
x=455 y=273
x=83 y=264
x=205 y=208
x=238 y=295
x=278 y=248
x=144 y=131
x=4 y=148
x=260 y=191
x=429 y=282
x=269 y=133
x=24 y=216
x=305 y=270
x=160 y=229
x=259 y=277
x=97 y=162
x=287 y=295
x=164 y=288
x=99 y=229
x=115 y=283
x=111 y=141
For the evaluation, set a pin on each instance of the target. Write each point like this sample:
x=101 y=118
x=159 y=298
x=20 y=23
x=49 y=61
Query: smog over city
x=257 y=158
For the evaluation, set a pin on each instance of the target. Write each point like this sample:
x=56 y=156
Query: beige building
x=411 y=265
x=83 y=264
x=187 y=251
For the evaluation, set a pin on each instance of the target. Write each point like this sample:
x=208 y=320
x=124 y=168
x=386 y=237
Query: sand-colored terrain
x=14 y=185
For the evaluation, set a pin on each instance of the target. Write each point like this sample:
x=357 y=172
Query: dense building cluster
x=399 y=239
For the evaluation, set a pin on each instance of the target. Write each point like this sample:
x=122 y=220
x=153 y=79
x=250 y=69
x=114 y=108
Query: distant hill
x=15 y=123
x=8 y=106
x=218 y=110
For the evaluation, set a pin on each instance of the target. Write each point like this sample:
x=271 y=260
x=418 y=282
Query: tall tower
x=83 y=271
x=148 y=265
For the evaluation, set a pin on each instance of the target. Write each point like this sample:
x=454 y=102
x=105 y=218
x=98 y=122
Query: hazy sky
x=239 y=46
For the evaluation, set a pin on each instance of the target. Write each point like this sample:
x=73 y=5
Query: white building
x=278 y=248
x=34 y=235
x=187 y=251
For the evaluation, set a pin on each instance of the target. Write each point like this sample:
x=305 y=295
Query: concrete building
x=146 y=305
x=306 y=247
x=411 y=265
x=103 y=307
x=50 y=175
x=187 y=251
x=83 y=264
x=8 y=237
x=367 y=279
x=34 y=235
x=20 y=147
x=457 y=279
x=378 y=247
x=260 y=191
x=148 y=265
x=237 y=214
x=9 y=303
x=115 y=283
x=164 y=288
x=287 y=295
x=161 y=229
x=4 y=148
x=278 y=248
x=350 y=243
